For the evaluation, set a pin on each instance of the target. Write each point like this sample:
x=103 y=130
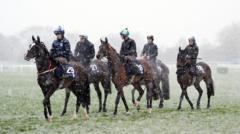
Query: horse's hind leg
x=78 y=103
x=99 y=93
x=67 y=91
x=119 y=94
x=149 y=96
x=105 y=101
x=180 y=100
x=133 y=98
x=124 y=102
x=200 y=91
x=189 y=101
x=141 y=92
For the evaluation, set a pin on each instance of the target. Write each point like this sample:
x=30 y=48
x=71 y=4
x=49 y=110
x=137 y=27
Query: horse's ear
x=179 y=49
x=33 y=39
x=106 y=40
x=101 y=40
x=38 y=39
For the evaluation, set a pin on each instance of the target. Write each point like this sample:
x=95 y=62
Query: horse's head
x=182 y=58
x=103 y=49
x=36 y=49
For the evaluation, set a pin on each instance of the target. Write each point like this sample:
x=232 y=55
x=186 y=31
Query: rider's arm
x=155 y=52
x=91 y=52
x=76 y=50
x=143 y=51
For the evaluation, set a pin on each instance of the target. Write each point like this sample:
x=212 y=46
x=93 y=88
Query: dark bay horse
x=120 y=79
x=98 y=73
x=161 y=77
x=185 y=79
x=49 y=83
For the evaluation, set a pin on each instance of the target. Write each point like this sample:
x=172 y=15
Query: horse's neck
x=42 y=63
x=114 y=59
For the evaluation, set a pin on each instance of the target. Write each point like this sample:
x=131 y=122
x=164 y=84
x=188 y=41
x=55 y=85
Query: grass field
x=21 y=110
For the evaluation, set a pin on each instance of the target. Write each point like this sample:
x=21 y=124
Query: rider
x=61 y=54
x=150 y=52
x=128 y=53
x=84 y=51
x=192 y=52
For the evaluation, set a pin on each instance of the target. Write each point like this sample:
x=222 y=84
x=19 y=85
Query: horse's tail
x=210 y=87
x=166 y=87
x=208 y=79
x=165 y=80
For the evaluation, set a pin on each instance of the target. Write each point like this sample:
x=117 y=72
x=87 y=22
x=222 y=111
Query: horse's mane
x=44 y=48
x=114 y=50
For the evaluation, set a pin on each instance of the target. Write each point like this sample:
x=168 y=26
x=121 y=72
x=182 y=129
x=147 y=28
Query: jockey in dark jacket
x=192 y=54
x=84 y=51
x=61 y=54
x=150 y=52
x=128 y=53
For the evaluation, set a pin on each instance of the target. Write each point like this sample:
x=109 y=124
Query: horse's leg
x=200 y=91
x=209 y=98
x=78 y=103
x=141 y=92
x=67 y=91
x=99 y=93
x=85 y=111
x=149 y=86
x=181 y=99
x=105 y=100
x=133 y=98
x=119 y=94
x=160 y=94
x=46 y=101
x=189 y=101
x=45 y=107
x=125 y=102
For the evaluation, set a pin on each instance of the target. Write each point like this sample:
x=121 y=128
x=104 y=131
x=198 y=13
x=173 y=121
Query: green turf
x=21 y=110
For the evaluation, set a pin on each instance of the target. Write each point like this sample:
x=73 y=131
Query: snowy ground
x=21 y=110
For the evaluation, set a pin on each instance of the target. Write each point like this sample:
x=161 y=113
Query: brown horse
x=49 y=83
x=120 y=78
x=185 y=79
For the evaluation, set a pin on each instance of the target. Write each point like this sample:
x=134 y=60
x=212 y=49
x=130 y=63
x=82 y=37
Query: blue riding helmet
x=59 y=30
x=124 y=32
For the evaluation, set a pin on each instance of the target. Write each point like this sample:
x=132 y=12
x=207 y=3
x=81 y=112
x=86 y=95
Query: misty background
x=214 y=23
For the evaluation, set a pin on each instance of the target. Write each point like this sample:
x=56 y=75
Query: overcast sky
x=167 y=20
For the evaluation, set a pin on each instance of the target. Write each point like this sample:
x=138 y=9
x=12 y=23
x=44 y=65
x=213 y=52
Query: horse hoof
x=161 y=106
x=86 y=117
x=128 y=113
x=179 y=108
x=74 y=116
x=104 y=110
x=198 y=107
x=149 y=110
x=50 y=118
x=138 y=108
x=63 y=113
x=137 y=103
x=192 y=108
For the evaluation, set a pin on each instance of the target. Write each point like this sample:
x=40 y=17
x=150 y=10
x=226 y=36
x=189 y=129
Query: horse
x=185 y=79
x=120 y=79
x=163 y=78
x=49 y=83
x=98 y=73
